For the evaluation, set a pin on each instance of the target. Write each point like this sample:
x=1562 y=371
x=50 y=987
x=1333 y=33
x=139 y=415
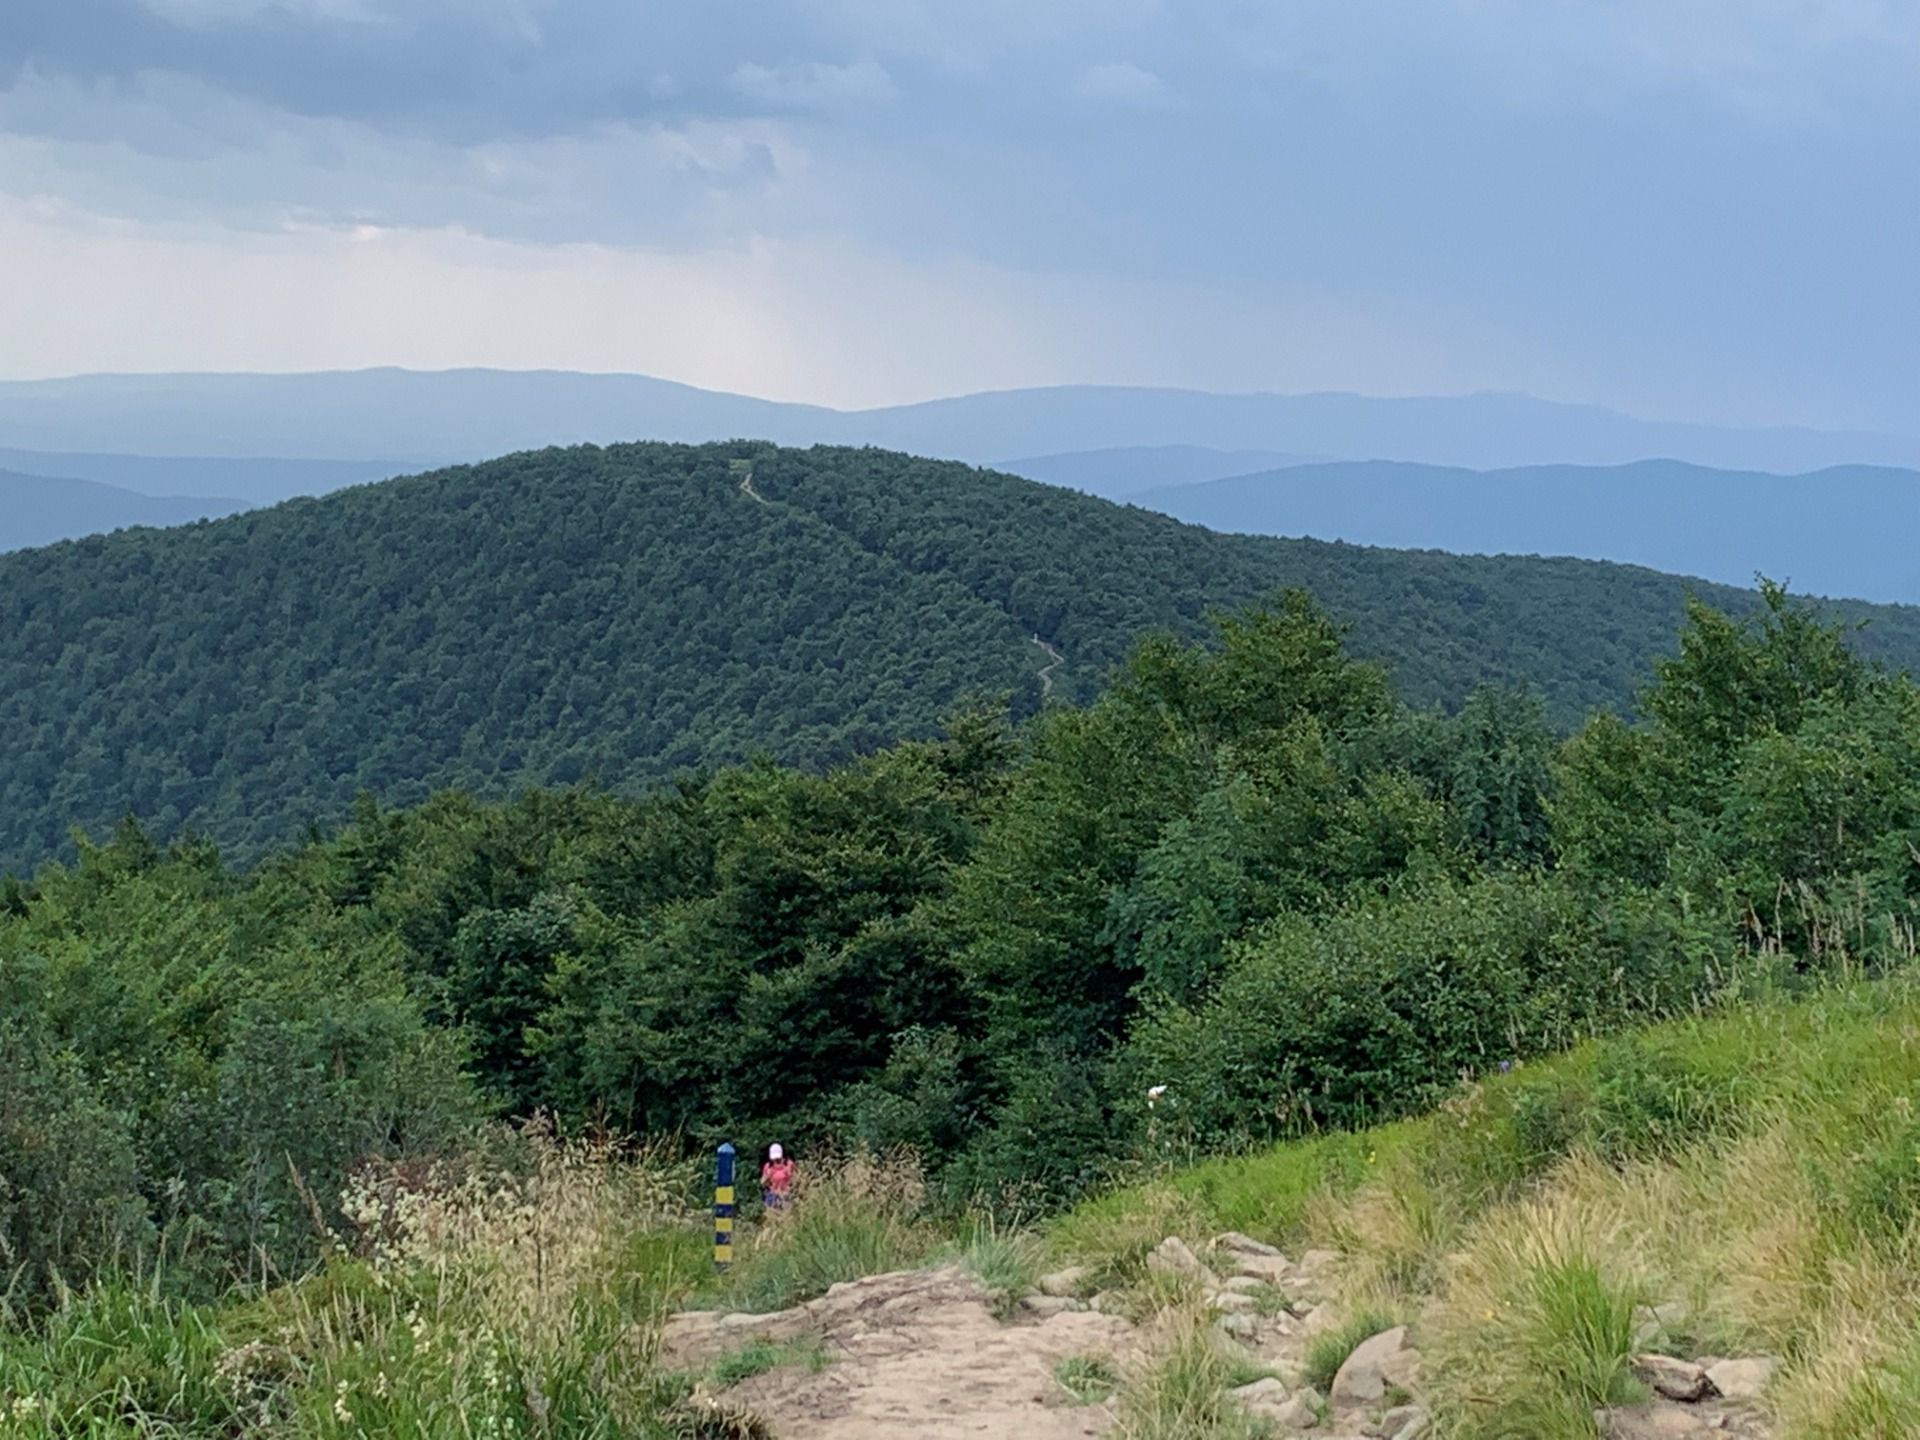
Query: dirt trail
x=1046 y=671
x=916 y=1353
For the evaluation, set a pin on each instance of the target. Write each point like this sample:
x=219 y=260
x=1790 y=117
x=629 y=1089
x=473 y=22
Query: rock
x=1661 y=1420
x=1108 y=1302
x=1070 y=1281
x=1231 y=1301
x=1404 y=1422
x=1316 y=1262
x=1675 y=1379
x=1243 y=1284
x=1318 y=1318
x=1743 y=1379
x=1245 y=1245
x=1238 y=1324
x=1261 y=1393
x=1172 y=1257
x=1300 y=1412
x=1045 y=1305
x=1268 y=1269
x=1376 y=1362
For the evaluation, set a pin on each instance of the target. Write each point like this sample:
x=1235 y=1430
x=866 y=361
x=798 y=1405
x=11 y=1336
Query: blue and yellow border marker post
x=723 y=1207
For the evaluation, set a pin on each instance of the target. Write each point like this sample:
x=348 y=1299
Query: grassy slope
x=1761 y=1166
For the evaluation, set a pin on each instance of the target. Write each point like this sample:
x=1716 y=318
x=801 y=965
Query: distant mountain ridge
x=630 y=612
x=42 y=509
x=434 y=417
x=1838 y=531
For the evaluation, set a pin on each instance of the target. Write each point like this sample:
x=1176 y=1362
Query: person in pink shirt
x=776 y=1178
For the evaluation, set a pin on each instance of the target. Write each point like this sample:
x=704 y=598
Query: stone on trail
x=1245 y=1245
x=1660 y=1420
x=1230 y=1300
x=1268 y=1269
x=1676 y=1379
x=1243 y=1284
x=1270 y=1400
x=1070 y=1281
x=1404 y=1422
x=1238 y=1324
x=1172 y=1257
x=1045 y=1305
x=1376 y=1362
x=1743 y=1379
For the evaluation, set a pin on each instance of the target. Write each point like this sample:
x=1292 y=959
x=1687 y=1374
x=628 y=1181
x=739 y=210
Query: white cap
x=774 y=1152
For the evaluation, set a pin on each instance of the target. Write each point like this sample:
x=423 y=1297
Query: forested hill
x=622 y=613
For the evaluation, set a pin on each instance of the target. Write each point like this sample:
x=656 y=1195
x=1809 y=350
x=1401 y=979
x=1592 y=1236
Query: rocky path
x=915 y=1353
x=921 y=1354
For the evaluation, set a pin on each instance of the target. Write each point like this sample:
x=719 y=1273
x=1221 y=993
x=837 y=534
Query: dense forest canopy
x=641 y=611
x=1246 y=872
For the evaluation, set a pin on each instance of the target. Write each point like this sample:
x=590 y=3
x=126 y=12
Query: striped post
x=723 y=1208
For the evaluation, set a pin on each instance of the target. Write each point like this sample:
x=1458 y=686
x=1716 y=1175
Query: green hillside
x=628 y=612
x=256 y=1183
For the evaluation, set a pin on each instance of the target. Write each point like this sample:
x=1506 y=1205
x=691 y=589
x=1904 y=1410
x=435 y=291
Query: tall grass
x=494 y=1303
x=850 y=1217
x=1760 y=1165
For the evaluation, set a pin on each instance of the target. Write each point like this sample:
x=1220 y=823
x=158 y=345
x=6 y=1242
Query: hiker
x=776 y=1178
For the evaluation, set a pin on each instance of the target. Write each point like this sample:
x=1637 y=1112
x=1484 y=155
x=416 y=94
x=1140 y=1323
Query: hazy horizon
x=1676 y=210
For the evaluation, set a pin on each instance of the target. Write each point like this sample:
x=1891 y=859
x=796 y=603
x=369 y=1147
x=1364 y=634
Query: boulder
x=1268 y=1269
x=1070 y=1281
x=1404 y=1422
x=1261 y=1394
x=1743 y=1379
x=1300 y=1412
x=1172 y=1257
x=1243 y=1284
x=1238 y=1324
x=1675 y=1379
x=1376 y=1362
x=1661 y=1420
x=1245 y=1245
x=1046 y=1305
x=1231 y=1301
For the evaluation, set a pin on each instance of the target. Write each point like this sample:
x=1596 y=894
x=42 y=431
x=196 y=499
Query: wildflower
x=340 y=1410
x=25 y=1406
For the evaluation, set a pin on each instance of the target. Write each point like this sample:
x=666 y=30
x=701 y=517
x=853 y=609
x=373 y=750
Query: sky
x=1688 y=209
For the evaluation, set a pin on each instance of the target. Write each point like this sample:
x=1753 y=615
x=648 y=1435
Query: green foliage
x=627 y=613
x=1245 y=874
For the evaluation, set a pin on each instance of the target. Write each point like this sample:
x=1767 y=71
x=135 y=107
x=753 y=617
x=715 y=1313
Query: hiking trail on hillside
x=1046 y=671
x=923 y=1354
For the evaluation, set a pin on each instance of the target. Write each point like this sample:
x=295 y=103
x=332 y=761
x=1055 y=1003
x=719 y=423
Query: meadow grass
x=1755 y=1170
x=491 y=1304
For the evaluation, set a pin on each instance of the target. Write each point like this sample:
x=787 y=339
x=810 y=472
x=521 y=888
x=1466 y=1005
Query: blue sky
x=1685 y=208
